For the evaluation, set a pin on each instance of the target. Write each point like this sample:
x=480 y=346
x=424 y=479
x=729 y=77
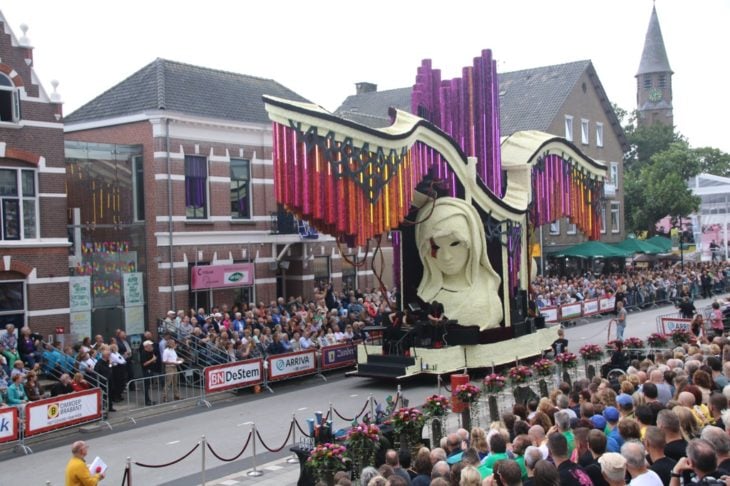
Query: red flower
x=98 y=469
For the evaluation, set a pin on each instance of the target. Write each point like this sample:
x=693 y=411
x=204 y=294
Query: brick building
x=567 y=100
x=173 y=180
x=33 y=238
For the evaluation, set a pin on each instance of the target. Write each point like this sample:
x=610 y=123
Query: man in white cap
x=148 y=359
x=613 y=468
x=170 y=319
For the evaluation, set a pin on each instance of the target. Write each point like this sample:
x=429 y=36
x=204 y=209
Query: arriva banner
x=233 y=375
x=338 y=356
x=671 y=324
x=62 y=411
x=292 y=364
x=8 y=424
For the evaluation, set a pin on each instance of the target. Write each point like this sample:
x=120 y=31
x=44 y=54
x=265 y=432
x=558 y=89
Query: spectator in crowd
x=720 y=441
x=676 y=444
x=171 y=362
x=148 y=360
x=570 y=473
x=103 y=368
x=700 y=465
x=635 y=456
x=77 y=472
x=613 y=468
x=16 y=391
x=661 y=464
x=62 y=386
x=79 y=383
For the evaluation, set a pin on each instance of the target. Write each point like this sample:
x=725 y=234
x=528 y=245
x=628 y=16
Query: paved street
x=226 y=425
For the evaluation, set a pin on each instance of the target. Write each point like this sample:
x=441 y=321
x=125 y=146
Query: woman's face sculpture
x=449 y=254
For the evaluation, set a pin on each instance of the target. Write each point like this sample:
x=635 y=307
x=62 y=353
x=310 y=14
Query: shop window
x=349 y=276
x=240 y=189
x=138 y=185
x=9 y=101
x=18 y=204
x=12 y=303
x=196 y=187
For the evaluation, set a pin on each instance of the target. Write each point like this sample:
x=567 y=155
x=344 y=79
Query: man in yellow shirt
x=77 y=472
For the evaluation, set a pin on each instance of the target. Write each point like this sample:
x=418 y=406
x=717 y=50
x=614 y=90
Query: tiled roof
x=654 y=57
x=184 y=88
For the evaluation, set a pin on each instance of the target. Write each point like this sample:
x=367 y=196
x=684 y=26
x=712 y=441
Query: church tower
x=654 y=79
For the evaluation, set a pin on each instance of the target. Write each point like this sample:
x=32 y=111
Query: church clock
x=655 y=95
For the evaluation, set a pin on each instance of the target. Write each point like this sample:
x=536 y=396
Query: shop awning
x=592 y=249
x=665 y=244
x=634 y=245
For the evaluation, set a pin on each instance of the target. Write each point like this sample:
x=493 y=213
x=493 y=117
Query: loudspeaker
x=518 y=306
x=539 y=322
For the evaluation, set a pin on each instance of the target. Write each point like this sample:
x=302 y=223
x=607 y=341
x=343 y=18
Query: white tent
x=714 y=192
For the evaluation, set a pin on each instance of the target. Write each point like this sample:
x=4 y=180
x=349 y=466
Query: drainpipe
x=169 y=213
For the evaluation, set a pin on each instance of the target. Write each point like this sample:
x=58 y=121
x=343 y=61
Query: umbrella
x=593 y=249
x=639 y=246
x=664 y=243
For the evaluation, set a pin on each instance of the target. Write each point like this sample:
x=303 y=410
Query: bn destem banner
x=292 y=364
x=62 y=411
x=234 y=375
x=338 y=356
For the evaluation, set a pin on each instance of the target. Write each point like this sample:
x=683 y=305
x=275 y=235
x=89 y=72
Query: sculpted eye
x=455 y=243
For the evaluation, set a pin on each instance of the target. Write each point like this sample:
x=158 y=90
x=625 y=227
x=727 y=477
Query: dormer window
x=9 y=101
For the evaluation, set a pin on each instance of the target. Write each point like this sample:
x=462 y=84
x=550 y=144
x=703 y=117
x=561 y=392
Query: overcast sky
x=321 y=48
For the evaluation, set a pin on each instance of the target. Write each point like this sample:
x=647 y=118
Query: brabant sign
x=233 y=375
x=62 y=411
x=292 y=364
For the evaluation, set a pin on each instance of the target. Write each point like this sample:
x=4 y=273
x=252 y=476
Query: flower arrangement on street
x=494 y=383
x=407 y=420
x=568 y=360
x=362 y=441
x=436 y=406
x=327 y=458
x=519 y=374
x=543 y=367
x=681 y=336
x=468 y=393
x=633 y=343
x=658 y=340
x=591 y=352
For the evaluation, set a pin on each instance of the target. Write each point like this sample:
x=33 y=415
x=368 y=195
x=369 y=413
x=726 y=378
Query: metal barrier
x=157 y=390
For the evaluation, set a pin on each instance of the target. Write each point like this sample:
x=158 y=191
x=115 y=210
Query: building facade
x=567 y=100
x=175 y=176
x=33 y=238
x=654 y=79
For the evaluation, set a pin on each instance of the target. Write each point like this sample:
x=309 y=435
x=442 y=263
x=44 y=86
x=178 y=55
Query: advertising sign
x=590 y=307
x=338 y=356
x=605 y=305
x=134 y=319
x=133 y=289
x=8 y=424
x=670 y=324
x=571 y=311
x=80 y=324
x=233 y=375
x=550 y=314
x=79 y=293
x=292 y=364
x=221 y=276
x=62 y=411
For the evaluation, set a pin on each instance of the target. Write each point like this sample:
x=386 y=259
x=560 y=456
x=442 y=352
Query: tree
x=713 y=161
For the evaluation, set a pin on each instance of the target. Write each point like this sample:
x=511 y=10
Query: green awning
x=592 y=249
x=639 y=246
x=665 y=244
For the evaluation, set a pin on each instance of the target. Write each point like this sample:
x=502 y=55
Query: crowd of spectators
x=665 y=421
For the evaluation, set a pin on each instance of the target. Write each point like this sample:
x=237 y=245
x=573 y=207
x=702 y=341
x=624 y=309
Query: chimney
x=364 y=87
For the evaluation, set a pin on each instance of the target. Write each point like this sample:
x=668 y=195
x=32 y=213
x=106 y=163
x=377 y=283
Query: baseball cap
x=624 y=400
x=147 y=343
x=612 y=462
x=218 y=314
x=611 y=414
x=598 y=422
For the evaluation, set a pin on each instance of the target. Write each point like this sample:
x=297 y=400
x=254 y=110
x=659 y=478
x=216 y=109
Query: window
x=603 y=219
x=321 y=269
x=647 y=81
x=662 y=82
x=615 y=216
x=196 y=187
x=240 y=189
x=555 y=228
x=572 y=229
x=569 y=128
x=584 y=131
x=9 y=100
x=12 y=304
x=599 y=134
x=613 y=174
x=138 y=187
x=18 y=204
x=349 y=275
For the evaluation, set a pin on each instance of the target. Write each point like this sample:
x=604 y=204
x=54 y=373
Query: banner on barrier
x=590 y=307
x=338 y=356
x=292 y=364
x=8 y=424
x=607 y=304
x=233 y=375
x=62 y=411
x=671 y=324
x=570 y=311
x=550 y=314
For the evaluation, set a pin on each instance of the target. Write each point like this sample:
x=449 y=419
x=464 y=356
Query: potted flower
x=658 y=340
x=469 y=394
x=494 y=383
x=568 y=360
x=326 y=459
x=407 y=425
x=519 y=374
x=362 y=442
x=436 y=406
x=680 y=336
x=633 y=343
x=543 y=367
x=591 y=352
